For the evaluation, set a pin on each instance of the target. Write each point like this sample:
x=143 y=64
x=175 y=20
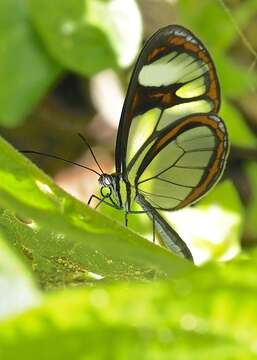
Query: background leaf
x=26 y=71
x=196 y=317
x=88 y=36
x=239 y=132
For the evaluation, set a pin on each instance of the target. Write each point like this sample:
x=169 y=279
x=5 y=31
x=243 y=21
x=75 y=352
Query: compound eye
x=107 y=181
x=106 y=191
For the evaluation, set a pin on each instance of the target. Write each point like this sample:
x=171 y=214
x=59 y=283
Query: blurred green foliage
x=50 y=241
x=236 y=79
x=26 y=71
x=208 y=314
x=40 y=39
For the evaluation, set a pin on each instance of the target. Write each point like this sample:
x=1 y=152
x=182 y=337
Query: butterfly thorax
x=115 y=189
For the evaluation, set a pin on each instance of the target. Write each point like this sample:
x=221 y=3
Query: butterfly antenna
x=59 y=158
x=90 y=149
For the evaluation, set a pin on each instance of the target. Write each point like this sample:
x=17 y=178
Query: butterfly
x=171 y=146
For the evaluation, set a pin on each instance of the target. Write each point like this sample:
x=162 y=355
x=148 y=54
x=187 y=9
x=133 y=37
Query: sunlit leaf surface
x=66 y=242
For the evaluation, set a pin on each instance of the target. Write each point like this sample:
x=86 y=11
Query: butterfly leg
x=94 y=197
x=91 y=198
x=101 y=200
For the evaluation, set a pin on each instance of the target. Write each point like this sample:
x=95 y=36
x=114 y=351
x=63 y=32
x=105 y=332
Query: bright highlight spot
x=94 y=276
x=115 y=19
x=188 y=322
x=44 y=187
x=208 y=231
x=68 y=27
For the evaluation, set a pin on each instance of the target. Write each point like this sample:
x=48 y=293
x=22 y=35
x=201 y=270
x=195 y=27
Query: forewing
x=184 y=162
x=174 y=77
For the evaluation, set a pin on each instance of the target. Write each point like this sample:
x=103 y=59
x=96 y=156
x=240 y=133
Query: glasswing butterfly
x=171 y=146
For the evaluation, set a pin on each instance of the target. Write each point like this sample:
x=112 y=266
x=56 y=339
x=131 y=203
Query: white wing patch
x=172 y=68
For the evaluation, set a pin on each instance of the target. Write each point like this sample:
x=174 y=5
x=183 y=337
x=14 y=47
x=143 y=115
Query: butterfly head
x=107 y=183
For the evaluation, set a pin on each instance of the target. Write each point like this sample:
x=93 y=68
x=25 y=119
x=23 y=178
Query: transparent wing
x=168 y=236
x=183 y=163
x=174 y=77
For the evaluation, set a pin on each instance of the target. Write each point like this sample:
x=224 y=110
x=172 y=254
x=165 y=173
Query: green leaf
x=238 y=131
x=244 y=12
x=115 y=19
x=235 y=80
x=202 y=19
x=209 y=314
x=88 y=36
x=26 y=71
x=65 y=241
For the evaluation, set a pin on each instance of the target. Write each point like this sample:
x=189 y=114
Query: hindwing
x=184 y=162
